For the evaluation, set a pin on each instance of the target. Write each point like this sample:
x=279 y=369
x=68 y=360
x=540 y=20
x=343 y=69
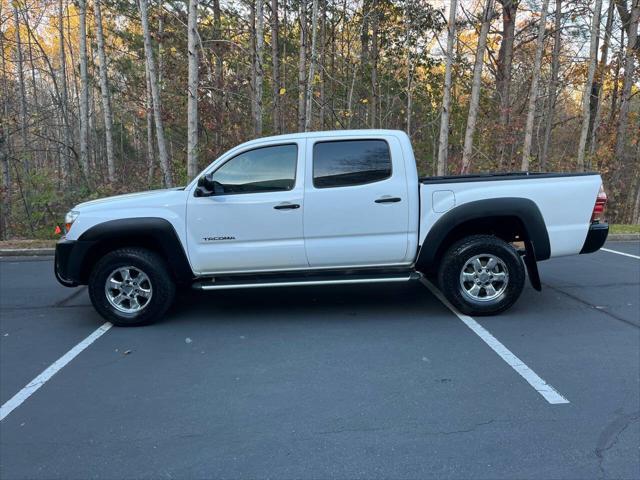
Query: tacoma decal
x=216 y=239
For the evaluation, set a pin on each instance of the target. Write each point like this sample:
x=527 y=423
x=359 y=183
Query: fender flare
x=141 y=230
x=522 y=208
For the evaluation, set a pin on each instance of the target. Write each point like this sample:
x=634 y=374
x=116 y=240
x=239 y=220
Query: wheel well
x=155 y=234
x=102 y=248
x=509 y=228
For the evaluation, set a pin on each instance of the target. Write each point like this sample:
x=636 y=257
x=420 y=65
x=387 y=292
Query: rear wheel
x=131 y=286
x=481 y=275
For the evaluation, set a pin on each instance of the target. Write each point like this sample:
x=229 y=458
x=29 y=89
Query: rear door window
x=346 y=163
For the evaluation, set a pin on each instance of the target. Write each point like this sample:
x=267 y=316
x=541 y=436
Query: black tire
x=153 y=266
x=461 y=294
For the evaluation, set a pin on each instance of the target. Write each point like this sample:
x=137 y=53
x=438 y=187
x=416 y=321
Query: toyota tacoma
x=321 y=208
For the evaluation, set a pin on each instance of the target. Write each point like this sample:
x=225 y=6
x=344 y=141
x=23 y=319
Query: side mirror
x=207 y=186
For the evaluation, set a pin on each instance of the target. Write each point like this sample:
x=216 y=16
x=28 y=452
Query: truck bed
x=492 y=176
x=565 y=201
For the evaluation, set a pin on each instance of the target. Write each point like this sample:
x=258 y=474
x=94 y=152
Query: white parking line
x=620 y=253
x=542 y=387
x=17 y=400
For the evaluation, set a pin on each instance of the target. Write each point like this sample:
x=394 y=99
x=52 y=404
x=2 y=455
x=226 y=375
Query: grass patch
x=624 y=228
x=20 y=243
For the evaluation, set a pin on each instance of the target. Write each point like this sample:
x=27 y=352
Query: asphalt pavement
x=370 y=381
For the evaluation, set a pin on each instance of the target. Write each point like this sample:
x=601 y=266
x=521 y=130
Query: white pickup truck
x=337 y=207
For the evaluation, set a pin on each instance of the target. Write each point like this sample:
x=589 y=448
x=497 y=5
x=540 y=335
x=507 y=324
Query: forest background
x=113 y=96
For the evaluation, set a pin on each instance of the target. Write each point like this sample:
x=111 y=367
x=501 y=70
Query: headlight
x=69 y=218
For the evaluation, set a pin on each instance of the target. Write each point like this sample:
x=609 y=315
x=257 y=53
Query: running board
x=302 y=281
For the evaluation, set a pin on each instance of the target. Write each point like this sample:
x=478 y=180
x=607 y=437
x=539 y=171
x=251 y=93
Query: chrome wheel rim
x=128 y=289
x=484 y=277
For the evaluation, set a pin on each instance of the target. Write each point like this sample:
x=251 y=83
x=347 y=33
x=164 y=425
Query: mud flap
x=530 y=262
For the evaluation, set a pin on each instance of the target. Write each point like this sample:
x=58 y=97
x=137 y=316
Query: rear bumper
x=70 y=255
x=596 y=237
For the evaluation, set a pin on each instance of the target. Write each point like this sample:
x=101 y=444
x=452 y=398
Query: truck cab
x=306 y=202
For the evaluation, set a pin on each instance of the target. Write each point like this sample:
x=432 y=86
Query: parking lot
x=371 y=381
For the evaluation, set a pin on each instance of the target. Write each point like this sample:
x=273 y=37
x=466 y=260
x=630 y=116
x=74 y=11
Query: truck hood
x=151 y=195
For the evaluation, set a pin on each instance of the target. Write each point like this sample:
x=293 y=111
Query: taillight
x=599 y=208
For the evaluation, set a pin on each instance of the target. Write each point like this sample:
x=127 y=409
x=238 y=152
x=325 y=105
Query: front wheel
x=131 y=287
x=481 y=275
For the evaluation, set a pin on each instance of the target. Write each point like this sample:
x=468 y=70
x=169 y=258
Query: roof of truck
x=329 y=133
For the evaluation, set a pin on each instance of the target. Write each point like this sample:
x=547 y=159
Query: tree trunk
x=586 y=94
x=443 y=141
x=349 y=113
x=5 y=142
x=64 y=101
x=106 y=96
x=323 y=42
x=373 y=54
x=275 y=61
x=84 y=91
x=312 y=67
x=630 y=24
x=219 y=72
x=22 y=90
x=149 y=114
x=283 y=81
x=160 y=47
x=302 y=66
x=616 y=80
x=252 y=46
x=155 y=95
x=259 y=67
x=409 y=85
x=533 y=93
x=476 y=86
x=192 y=94
x=553 y=85
x=503 y=75
x=596 y=95
x=364 y=33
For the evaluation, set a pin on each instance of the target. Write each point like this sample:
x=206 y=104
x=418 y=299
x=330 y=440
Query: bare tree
x=322 y=61
x=21 y=87
x=586 y=95
x=150 y=64
x=312 y=67
x=373 y=59
x=533 y=92
x=218 y=71
x=476 y=85
x=443 y=141
x=275 y=60
x=151 y=163
x=302 y=66
x=64 y=102
x=504 y=72
x=630 y=24
x=259 y=67
x=5 y=143
x=409 y=71
x=84 y=91
x=616 y=80
x=160 y=37
x=106 y=96
x=192 y=94
x=596 y=91
x=553 y=85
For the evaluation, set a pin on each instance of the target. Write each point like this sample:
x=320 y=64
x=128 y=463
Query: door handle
x=388 y=200
x=287 y=206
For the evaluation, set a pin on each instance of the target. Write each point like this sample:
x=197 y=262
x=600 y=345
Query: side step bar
x=304 y=281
